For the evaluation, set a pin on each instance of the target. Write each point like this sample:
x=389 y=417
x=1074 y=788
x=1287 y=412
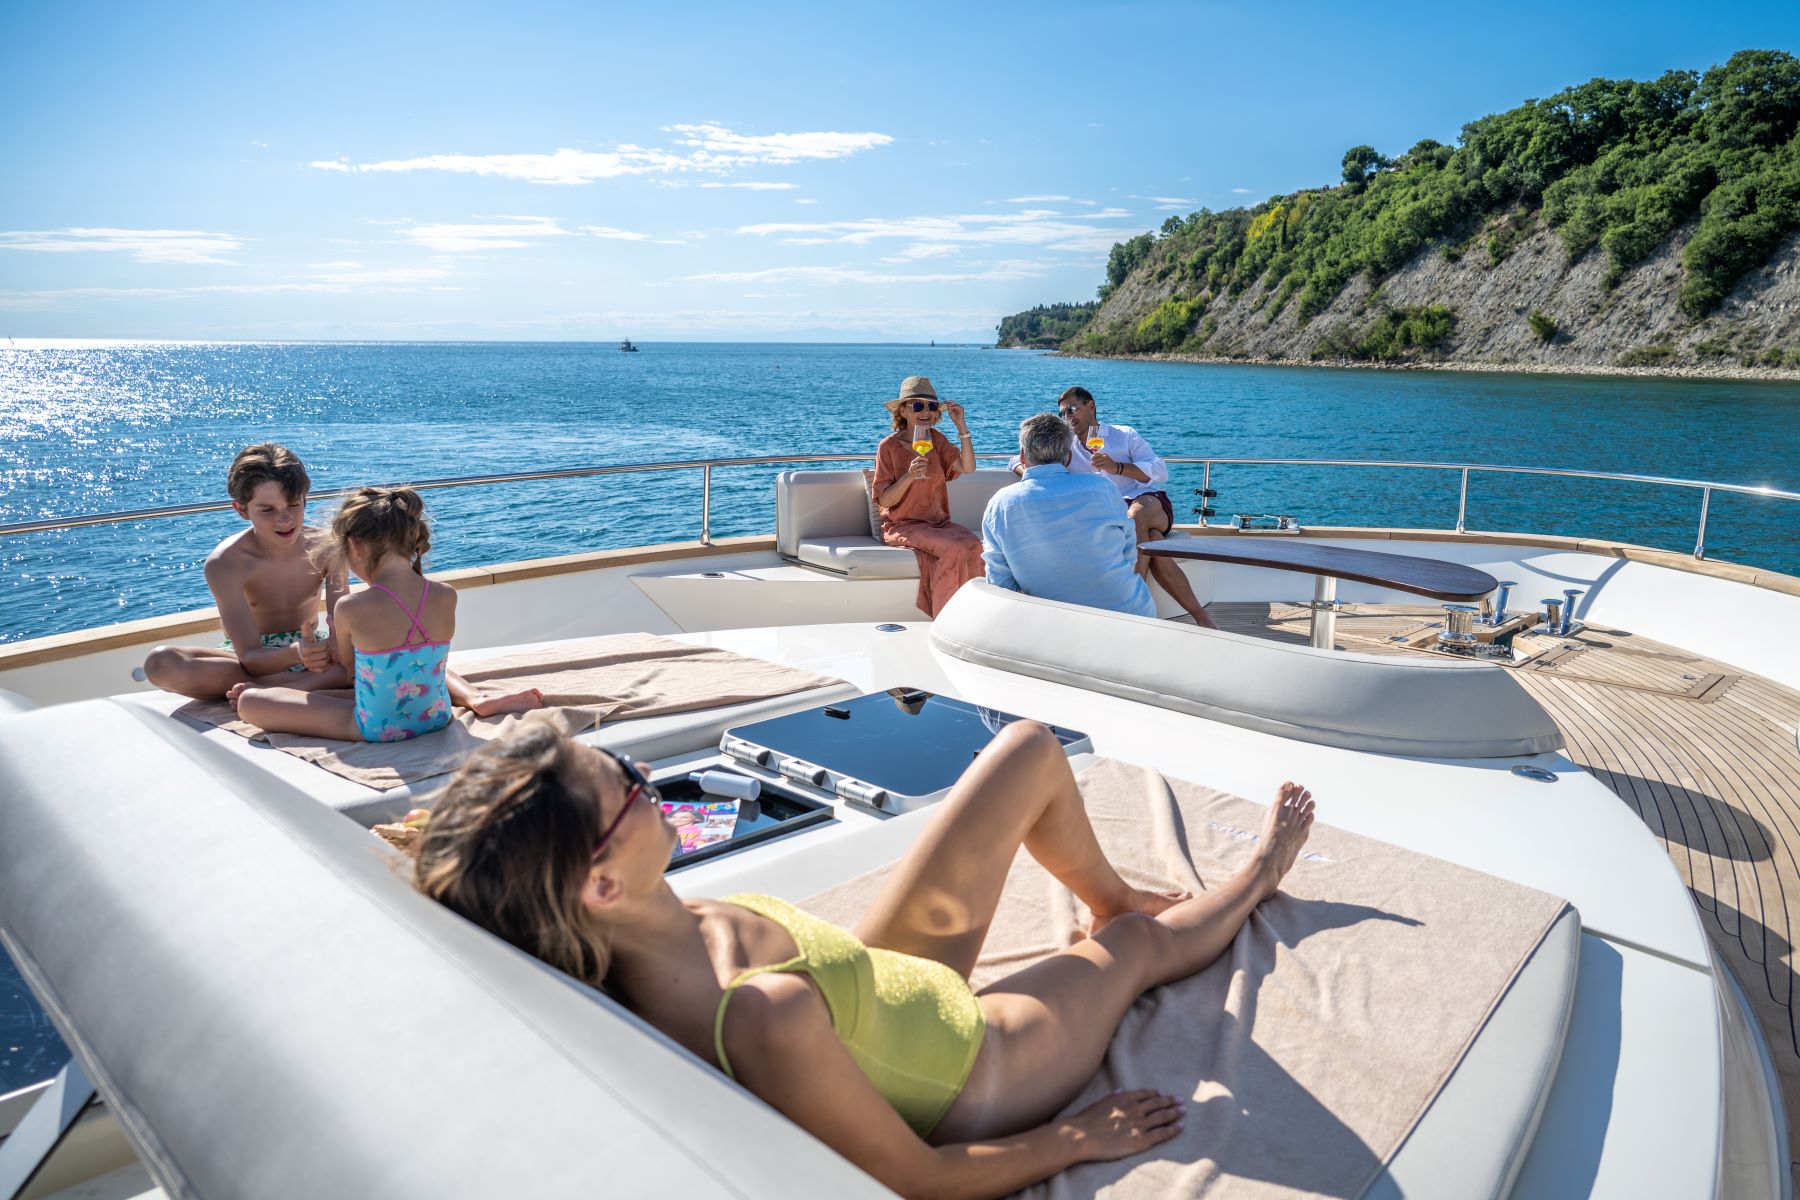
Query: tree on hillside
x=1361 y=162
x=1124 y=259
x=1754 y=99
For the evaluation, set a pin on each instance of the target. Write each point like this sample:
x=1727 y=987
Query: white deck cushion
x=859 y=558
x=1387 y=704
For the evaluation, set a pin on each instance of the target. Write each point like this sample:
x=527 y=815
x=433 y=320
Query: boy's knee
x=163 y=664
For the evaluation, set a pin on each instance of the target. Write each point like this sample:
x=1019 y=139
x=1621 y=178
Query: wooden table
x=1432 y=577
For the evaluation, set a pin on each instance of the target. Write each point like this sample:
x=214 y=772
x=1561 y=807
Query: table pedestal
x=1324 y=613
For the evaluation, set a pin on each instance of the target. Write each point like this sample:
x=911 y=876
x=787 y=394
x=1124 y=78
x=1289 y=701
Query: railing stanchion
x=706 y=505
x=1700 y=540
x=1462 y=503
x=1205 y=486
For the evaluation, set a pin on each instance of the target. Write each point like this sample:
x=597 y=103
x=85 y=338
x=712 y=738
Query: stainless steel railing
x=705 y=466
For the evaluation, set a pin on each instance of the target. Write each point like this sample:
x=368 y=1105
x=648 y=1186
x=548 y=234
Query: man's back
x=1065 y=537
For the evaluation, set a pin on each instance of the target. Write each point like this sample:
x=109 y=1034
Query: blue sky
x=706 y=172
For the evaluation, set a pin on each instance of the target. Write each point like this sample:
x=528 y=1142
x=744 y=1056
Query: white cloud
x=714 y=143
x=259 y=145
x=710 y=148
x=1036 y=199
x=461 y=239
x=837 y=275
x=617 y=235
x=1241 y=191
x=754 y=187
x=1030 y=227
x=145 y=245
x=923 y=250
x=806 y=200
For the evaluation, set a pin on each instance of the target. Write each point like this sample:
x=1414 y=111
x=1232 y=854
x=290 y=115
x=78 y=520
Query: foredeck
x=1705 y=753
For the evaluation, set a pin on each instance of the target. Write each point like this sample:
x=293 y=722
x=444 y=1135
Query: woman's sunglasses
x=638 y=784
x=922 y=405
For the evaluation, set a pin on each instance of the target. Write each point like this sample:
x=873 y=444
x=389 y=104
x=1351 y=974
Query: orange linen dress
x=949 y=555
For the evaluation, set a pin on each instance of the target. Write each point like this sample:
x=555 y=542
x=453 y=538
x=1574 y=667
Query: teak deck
x=1706 y=754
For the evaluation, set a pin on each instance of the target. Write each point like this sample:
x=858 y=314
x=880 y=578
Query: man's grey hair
x=1045 y=438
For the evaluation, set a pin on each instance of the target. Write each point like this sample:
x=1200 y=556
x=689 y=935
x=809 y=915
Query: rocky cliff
x=1581 y=321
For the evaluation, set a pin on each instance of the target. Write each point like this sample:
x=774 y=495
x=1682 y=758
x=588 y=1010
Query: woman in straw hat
x=912 y=491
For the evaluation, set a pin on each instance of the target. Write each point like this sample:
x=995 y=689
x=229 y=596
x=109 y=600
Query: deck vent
x=1536 y=773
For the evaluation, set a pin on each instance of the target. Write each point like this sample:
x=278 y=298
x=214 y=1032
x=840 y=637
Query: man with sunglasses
x=1125 y=458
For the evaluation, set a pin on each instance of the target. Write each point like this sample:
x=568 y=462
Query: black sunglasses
x=922 y=405
x=638 y=783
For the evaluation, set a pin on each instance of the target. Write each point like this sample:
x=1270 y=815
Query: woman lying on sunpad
x=560 y=849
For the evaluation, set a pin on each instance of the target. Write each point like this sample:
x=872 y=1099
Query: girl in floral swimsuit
x=397 y=633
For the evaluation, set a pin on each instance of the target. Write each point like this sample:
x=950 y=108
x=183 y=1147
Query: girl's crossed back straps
x=412 y=614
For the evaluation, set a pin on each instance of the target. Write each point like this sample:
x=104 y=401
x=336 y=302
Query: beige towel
x=1310 y=1050
x=584 y=683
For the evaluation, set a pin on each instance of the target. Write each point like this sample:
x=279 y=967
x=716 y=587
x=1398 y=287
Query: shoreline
x=1732 y=373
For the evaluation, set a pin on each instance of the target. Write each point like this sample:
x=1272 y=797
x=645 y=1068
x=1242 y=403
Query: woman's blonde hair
x=508 y=847
x=385 y=520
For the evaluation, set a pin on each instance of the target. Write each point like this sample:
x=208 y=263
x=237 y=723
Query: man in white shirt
x=1126 y=458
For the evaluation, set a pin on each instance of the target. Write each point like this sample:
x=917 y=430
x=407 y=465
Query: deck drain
x=1537 y=773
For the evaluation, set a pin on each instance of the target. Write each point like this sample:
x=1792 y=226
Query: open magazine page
x=701 y=824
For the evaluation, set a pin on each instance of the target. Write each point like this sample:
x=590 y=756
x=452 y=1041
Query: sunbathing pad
x=584 y=682
x=1311 y=1049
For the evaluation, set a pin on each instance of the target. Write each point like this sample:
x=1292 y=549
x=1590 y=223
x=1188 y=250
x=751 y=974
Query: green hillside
x=1046 y=326
x=1612 y=166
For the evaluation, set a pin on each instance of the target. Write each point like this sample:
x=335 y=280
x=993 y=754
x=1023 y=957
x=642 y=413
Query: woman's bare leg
x=484 y=704
x=1050 y=1024
x=289 y=710
x=1019 y=791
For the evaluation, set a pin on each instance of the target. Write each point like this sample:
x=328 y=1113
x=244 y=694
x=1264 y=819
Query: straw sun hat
x=913 y=387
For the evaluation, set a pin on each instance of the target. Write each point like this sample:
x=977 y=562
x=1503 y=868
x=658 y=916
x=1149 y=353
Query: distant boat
x=627 y=346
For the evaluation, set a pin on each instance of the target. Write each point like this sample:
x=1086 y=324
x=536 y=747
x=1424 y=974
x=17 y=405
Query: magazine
x=705 y=823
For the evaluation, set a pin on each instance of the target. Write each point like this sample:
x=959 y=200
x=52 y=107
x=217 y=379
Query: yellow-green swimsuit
x=911 y=1024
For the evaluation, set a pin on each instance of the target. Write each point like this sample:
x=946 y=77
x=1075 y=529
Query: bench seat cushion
x=859 y=558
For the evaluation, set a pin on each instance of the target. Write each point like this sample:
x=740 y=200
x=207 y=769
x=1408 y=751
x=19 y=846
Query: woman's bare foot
x=237 y=689
x=1284 y=831
x=512 y=702
x=1139 y=901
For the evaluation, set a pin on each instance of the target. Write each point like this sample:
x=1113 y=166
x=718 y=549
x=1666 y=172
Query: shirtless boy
x=266 y=587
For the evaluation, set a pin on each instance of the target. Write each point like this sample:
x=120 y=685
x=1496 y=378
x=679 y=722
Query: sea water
x=107 y=427
x=88 y=428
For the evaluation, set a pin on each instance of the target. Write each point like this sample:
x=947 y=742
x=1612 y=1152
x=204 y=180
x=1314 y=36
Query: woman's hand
x=917 y=468
x=1125 y=1123
x=955 y=412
